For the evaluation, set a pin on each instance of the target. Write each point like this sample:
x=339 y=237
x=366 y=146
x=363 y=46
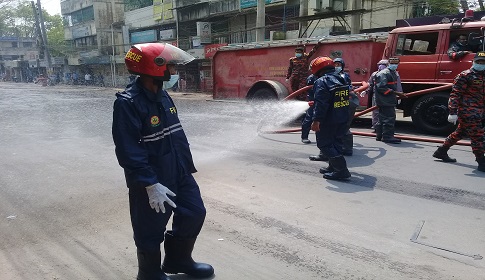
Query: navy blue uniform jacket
x=310 y=81
x=151 y=145
x=331 y=99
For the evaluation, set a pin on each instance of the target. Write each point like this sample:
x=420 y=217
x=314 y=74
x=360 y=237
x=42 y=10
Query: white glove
x=287 y=80
x=363 y=93
x=157 y=195
x=452 y=119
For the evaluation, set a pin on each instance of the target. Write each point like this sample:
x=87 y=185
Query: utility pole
x=303 y=12
x=260 y=20
x=113 y=10
x=44 y=35
x=39 y=35
x=356 y=18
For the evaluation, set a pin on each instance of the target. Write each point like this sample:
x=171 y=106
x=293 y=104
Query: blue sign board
x=146 y=36
x=254 y=3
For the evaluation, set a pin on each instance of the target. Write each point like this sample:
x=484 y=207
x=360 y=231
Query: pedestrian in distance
x=467 y=108
x=87 y=79
x=152 y=148
x=298 y=73
x=330 y=116
x=386 y=99
x=348 y=140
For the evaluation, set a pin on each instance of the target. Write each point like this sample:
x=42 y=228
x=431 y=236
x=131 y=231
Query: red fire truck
x=258 y=70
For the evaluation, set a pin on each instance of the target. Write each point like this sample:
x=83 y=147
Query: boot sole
x=445 y=160
x=318 y=159
x=336 y=179
x=192 y=274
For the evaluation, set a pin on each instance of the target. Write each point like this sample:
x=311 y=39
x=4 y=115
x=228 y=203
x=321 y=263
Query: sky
x=53 y=7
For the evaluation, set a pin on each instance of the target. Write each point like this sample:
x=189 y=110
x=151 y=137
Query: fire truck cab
x=259 y=70
x=425 y=64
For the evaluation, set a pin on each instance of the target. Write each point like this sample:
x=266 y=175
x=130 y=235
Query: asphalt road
x=64 y=207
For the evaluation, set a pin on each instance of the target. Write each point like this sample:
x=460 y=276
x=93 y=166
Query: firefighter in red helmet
x=330 y=116
x=153 y=150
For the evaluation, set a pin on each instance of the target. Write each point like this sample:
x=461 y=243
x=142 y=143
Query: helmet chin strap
x=158 y=81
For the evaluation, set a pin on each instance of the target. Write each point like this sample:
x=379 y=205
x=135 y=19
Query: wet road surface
x=64 y=210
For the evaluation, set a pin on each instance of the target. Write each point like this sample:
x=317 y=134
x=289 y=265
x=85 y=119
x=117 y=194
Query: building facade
x=94 y=30
x=15 y=54
x=202 y=26
x=101 y=31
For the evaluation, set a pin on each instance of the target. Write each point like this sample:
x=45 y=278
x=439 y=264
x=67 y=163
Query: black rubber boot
x=319 y=157
x=348 y=144
x=326 y=170
x=388 y=134
x=481 y=164
x=149 y=266
x=178 y=258
x=378 y=132
x=442 y=153
x=340 y=171
x=391 y=140
x=305 y=141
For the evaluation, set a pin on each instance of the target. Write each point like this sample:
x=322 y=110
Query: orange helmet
x=151 y=59
x=321 y=62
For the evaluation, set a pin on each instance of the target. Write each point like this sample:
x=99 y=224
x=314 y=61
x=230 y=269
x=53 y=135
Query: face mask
x=392 y=66
x=170 y=83
x=478 y=67
x=381 y=67
x=338 y=69
x=298 y=54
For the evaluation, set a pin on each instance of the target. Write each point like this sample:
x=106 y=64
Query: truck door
x=448 y=68
x=419 y=56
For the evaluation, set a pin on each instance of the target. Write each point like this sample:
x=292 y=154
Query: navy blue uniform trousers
x=306 y=123
x=329 y=139
x=149 y=226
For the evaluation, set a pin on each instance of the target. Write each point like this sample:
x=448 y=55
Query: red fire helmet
x=151 y=59
x=319 y=63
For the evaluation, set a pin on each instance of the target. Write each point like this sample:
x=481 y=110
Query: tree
x=443 y=7
x=18 y=20
x=55 y=35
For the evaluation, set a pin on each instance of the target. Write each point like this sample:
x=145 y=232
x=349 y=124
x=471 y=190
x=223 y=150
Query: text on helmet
x=133 y=56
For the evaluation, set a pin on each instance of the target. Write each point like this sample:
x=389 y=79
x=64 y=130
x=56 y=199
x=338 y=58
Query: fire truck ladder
x=377 y=37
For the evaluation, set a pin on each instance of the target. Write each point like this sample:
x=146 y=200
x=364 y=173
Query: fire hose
x=364 y=86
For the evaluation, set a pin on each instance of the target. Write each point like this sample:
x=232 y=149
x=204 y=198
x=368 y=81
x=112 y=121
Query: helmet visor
x=173 y=55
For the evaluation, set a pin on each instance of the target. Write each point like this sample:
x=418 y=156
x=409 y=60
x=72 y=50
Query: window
x=131 y=5
x=27 y=44
x=476 y=41
x=417 y=44
x=83 y=15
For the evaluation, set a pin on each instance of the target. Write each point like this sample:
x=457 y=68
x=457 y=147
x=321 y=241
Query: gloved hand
x=363 y=93
x=157 y=195
x=452 y=119
x=311 y=103
x=287 y=80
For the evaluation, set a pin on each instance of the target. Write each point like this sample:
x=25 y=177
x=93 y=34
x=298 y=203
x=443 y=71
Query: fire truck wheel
x=430 y=113
x=263 y=94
